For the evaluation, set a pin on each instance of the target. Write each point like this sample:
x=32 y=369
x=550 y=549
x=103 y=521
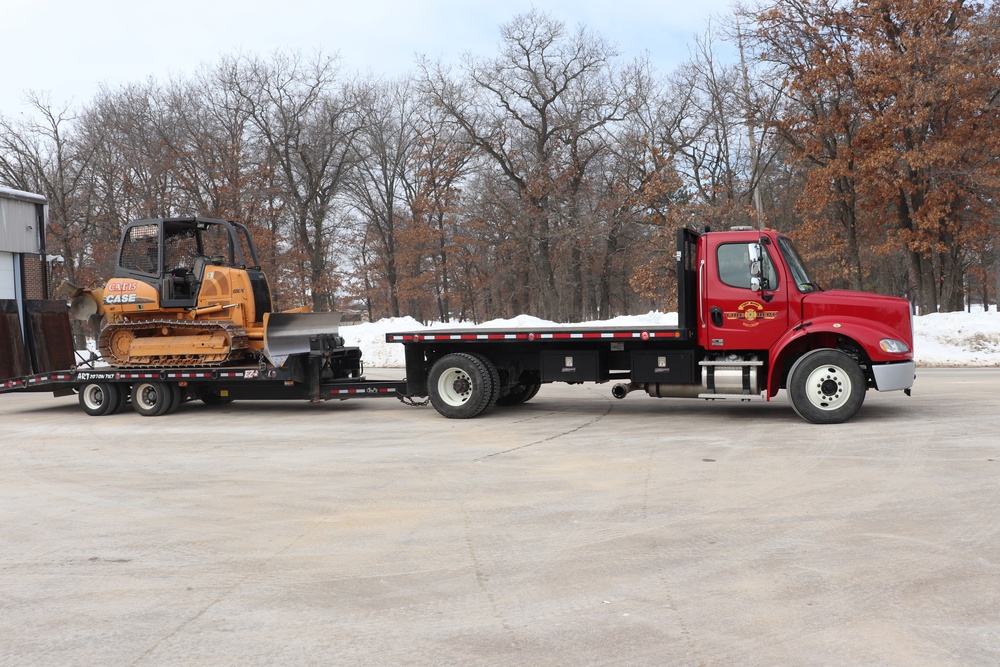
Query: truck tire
x=826 y=386
x=519 y=393
x=460 y=386
x=100 y=398
x=152 y=399
x=494 y=378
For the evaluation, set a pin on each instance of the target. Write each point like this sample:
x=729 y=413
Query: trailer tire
x=178 y=398
x=124 y=399
x=460 y=386
x=519 y=393
x=152 y=399
x=826 y=386
x=100 y=398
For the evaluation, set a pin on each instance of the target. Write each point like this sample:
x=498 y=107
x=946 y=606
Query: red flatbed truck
x=751 y=321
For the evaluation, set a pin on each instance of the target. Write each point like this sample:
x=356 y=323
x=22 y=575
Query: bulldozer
x=190 y=292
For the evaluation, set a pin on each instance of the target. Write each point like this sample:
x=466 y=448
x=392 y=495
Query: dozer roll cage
x=171 y=254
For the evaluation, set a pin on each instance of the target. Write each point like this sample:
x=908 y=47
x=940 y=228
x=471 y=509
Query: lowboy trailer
x=329 y=371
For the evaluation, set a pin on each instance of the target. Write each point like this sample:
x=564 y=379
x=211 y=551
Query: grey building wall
x=23 y=268
x=20 y=230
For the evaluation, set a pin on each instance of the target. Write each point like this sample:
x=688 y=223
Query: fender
x=866 y=333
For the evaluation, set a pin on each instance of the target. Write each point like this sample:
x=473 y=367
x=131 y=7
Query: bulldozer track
x=115 y=349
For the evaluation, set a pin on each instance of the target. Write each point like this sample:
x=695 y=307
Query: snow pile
x=941 y=339
x=957 y=339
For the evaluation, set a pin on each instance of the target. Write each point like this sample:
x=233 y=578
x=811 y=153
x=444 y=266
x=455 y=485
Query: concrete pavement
x=572 y=530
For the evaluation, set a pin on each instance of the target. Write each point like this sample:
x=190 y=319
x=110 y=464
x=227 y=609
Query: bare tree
x=536 y=111
x=47 y=156
x=379 y=190
x=310 y=123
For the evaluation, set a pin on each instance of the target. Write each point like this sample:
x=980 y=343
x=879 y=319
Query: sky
x=67 y=49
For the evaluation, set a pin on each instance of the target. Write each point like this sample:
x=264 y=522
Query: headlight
x=893 y=345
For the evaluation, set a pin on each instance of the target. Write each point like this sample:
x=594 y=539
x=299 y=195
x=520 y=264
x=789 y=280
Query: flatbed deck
x=562 y=333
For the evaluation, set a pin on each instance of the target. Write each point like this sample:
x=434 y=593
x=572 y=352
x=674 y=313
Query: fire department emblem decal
x=751 y=313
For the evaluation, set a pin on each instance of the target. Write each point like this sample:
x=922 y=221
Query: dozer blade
x=286 y=334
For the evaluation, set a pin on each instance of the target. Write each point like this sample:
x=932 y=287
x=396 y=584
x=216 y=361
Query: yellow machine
x=190 y=292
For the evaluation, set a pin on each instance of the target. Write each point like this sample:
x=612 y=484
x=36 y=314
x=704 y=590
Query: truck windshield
x=795 y=264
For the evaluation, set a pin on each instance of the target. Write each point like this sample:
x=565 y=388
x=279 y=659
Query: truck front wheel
x=826 y=386
x=519 y=393
x=460 y=386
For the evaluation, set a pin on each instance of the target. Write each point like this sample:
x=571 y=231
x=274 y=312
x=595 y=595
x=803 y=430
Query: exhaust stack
x=620 y=390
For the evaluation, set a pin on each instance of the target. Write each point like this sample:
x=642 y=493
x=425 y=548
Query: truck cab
x=755 y=295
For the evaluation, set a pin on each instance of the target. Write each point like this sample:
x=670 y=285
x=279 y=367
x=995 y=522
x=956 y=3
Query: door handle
x=716 y=314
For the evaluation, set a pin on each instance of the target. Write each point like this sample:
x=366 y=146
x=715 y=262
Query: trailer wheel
x=100 y=398
x=152 y=399
x=826 y=386
x=177 y=399
x=460 y=386
x=519 y=393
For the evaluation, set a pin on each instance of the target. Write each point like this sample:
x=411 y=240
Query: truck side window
x=734 y=266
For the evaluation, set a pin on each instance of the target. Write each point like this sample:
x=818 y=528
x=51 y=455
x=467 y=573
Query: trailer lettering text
x=95 y=376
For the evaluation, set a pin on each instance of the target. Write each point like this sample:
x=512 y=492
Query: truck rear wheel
x=152 y=399
x=826 y=386
x=494 y=378
x=519 y=393
x=101 y=398
x=460 y=386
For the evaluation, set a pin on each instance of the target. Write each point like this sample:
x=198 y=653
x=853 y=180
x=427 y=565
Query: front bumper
x=893 y=377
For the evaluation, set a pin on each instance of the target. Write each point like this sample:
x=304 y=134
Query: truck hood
x=892 y=311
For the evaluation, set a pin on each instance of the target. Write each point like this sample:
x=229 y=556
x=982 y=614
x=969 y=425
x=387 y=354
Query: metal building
x=23 y=271
x=29 y=322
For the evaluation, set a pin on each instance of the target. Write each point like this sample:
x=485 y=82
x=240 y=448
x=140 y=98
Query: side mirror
x=754 y=253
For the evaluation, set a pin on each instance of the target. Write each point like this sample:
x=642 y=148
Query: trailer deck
x=245 y=382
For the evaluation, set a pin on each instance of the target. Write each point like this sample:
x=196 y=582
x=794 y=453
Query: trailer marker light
x=644 y=335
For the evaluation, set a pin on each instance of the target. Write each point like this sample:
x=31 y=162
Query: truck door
x=744 y=305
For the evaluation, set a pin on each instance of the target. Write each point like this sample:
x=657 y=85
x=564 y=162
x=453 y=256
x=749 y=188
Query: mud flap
x=286 y=334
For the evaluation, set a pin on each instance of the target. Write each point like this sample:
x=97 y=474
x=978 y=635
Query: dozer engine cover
x=127 y=295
